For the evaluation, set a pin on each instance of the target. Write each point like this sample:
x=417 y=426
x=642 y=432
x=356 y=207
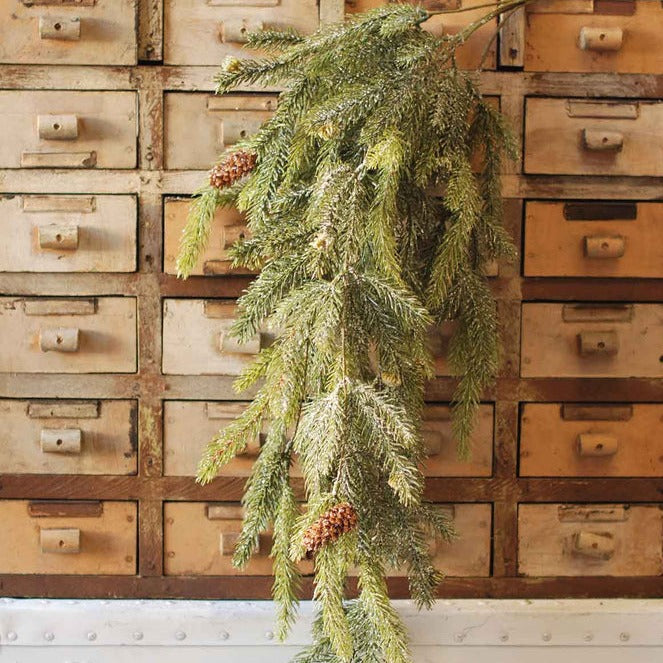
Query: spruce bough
x=373 y=203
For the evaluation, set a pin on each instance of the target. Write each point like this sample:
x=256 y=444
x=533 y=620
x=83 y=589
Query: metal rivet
x=91 y=636
x=588 y=637
x=546 y=637
x=504 y=637
x=11 y=636
x=269 y=635
x=624 y=637
x=224 y=635
x=49 y=636
x=180 y=635
x=137 y=635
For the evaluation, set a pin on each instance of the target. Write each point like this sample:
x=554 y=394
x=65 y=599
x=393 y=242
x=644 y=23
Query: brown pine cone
x=231 y=169
x=329 y=527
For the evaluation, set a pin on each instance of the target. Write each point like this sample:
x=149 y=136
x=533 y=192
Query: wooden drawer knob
x=59 y=339
x=593 y=545
x=432 y=442
x=230 y=345
x=64 y=29
x=596 y=444
x=228 y=542
x=604 y=246
x=237 y=31
x=232 y=234
x=58 y=236
x=63 y=541
x=61 y=440
x=600 y=39
x=254 y=446
x=57 y=127
x=598 y=343
x=598 y=140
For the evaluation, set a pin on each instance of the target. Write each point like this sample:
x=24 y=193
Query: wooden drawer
x=68 y=32
x=190 y=425
x=592 y=137
x=594 y=35
x=591 y=440
x=68 y=233
x=214 y=527
x=601 y=239
x=470 y=54
x=589 y=540
x=76 y=335
x=196 y=341
x=227 y=227
x=67 y=129
x=220 y=121
x=206 y=31
x=72 y=538
x=592 y=340
x=68 y=437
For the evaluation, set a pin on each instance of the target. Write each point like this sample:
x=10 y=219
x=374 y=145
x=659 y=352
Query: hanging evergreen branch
x=359 y=258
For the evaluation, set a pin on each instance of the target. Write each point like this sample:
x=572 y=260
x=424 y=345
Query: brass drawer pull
x=61 y=440
x=237 y=31
x=59 y=339
x=596 y=445
x=61 y=541
x=604 y=246
x=57 y=127
x=598 y=343
x=600 y=39
x=60 y=28
x=598 y=140
x=58 y=236
x=593 y=545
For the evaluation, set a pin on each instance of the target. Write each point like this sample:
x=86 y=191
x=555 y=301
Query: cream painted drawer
x=593 y=137
x=228 y=226
x=589 y=540
x=206 y=31
x=601 y=239
x=67 y=129
x=68 y=437
x=592 y=340
x=220 y=121
x=68 y=538
x=68 y=31
x=63 y=233
x=196 y=338
x=590 y=440
x=72 y=335
x=612 y=36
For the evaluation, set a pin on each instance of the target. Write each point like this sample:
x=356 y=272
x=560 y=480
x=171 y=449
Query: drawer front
x=589 y=540
x=206 y=31
x=228 y=226
x=581 y=137
x=481 y=44
x=68 y=437
x=220 y=121
x=58 y=233
x=77 y=335
x=591 y=440
x=214 y=527
x=67 y=129
x=196 y=338
x=75 y=32
x=592 y=340
x=69 y=538
x=601 y=239
x=439 y=337
x=567 y=35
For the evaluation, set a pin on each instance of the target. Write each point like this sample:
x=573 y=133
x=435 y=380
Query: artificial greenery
x=373 y=209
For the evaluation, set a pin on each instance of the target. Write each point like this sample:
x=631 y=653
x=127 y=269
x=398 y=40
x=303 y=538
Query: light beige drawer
x=593 y=137
x=68 y=437
x=472 y=52
x=68 y=538
x=196 y=338
x=67 y=129
x=220 y=121
x=589 y=440
x=592 y=340
x=589 y=540
x=68 y=31
x=592 y=35
x=60 y=233
x=72 y=335
x=601 y=239
x=215 y=528
x=228 y=226
x=206 y=31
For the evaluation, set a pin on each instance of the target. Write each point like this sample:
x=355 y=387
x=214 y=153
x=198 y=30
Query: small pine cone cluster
x=329 y=527
x=231 y=169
